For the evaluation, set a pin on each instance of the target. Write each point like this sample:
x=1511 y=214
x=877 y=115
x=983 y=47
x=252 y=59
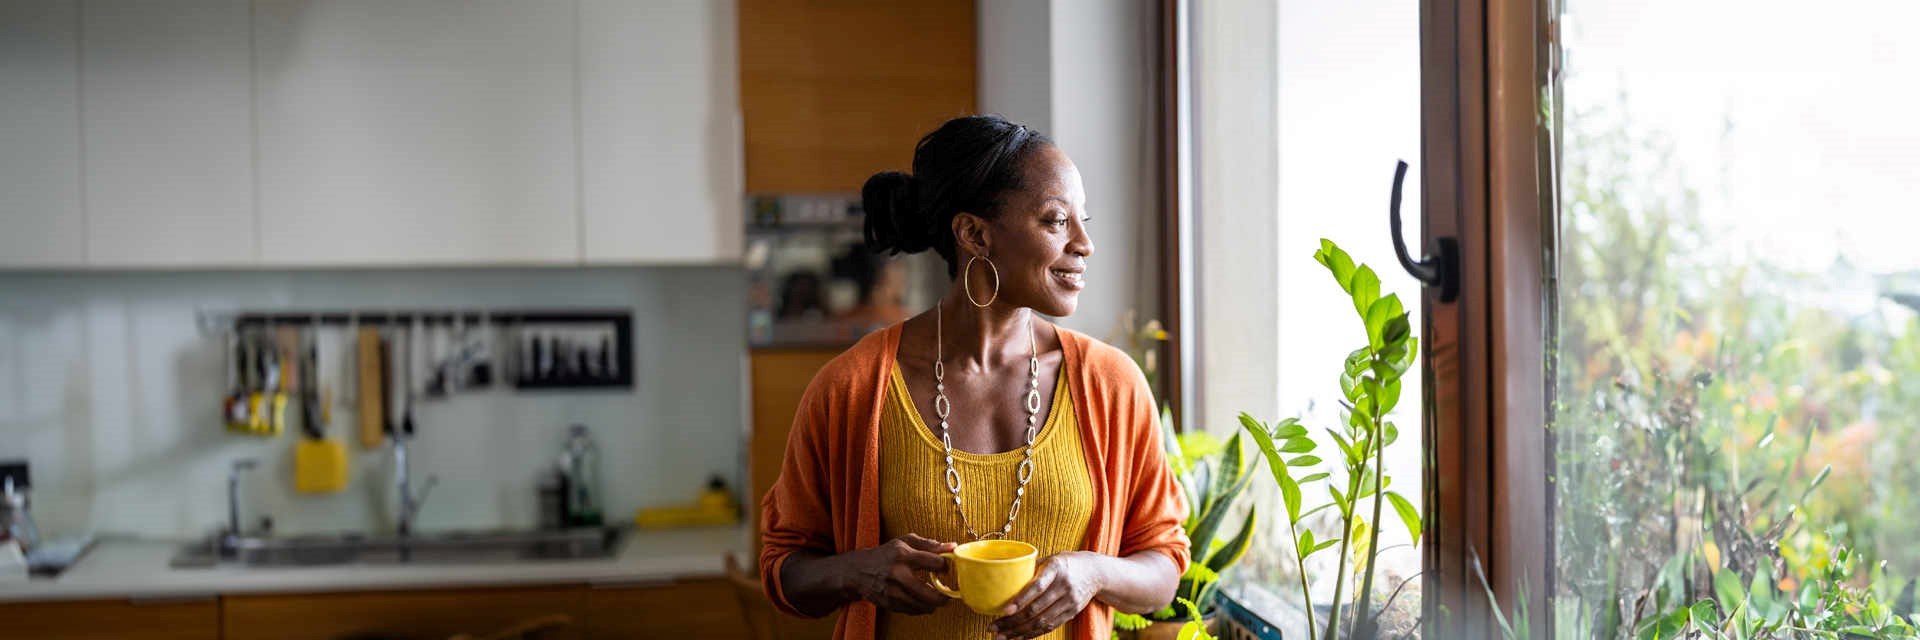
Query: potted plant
x=1370 y=380
x=1212 y=476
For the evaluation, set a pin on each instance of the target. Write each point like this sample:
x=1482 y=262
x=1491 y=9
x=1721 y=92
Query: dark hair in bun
x=968 y=164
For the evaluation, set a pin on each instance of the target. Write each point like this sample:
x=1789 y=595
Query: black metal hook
x=1441 y=270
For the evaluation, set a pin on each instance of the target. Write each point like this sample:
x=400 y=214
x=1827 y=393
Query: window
x=1735 y=393
x=1300 y=110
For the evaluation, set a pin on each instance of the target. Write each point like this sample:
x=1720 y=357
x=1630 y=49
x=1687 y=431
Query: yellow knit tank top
x=914 y=499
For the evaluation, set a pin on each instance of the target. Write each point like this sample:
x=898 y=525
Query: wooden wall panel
x=832 y=91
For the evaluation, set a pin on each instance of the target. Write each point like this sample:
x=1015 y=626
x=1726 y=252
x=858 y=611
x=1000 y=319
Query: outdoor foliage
x=1731 y=438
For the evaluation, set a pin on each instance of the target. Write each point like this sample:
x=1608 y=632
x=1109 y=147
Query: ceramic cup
x=989 y=573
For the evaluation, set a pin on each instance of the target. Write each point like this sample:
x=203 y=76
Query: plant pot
x=1169 y=630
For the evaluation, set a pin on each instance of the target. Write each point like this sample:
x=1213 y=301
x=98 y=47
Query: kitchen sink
x=457 y=547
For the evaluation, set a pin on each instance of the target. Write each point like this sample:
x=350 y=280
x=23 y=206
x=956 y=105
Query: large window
x=1303 y=107
x=1736 y=383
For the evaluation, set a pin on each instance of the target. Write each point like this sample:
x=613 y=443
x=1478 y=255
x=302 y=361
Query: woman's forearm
x=812 y=584
x=1140 y=583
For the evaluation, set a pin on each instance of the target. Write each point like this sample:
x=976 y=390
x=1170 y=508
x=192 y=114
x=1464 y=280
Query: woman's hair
x=968 y=164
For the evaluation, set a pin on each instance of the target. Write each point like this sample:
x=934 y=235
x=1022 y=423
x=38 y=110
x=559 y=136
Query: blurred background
x=488 y=318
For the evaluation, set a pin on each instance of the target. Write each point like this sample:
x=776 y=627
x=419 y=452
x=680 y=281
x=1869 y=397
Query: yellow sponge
x=319 y=466
x=675 y=517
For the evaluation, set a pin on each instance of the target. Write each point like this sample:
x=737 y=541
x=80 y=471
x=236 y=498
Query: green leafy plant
x=1370 y=383
x=1212 y=476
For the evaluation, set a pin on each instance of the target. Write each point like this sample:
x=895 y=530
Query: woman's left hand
x=1063 y=586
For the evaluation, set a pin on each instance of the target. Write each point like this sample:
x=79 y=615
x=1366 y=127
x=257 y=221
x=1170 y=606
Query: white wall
x=110 y=391
x=1080 y=71
x=1015 y=46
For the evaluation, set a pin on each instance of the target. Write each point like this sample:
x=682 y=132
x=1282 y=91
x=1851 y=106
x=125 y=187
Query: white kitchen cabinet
x=40 y=216
x=416 y=133
x=167 y=133
x=660 y=144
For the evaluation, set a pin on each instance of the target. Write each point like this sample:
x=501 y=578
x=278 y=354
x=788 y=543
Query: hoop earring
x=966 y=280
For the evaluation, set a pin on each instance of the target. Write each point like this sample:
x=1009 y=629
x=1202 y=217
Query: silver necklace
x=941 y=407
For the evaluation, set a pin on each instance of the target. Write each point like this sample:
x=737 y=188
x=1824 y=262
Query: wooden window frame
x=1488 y=182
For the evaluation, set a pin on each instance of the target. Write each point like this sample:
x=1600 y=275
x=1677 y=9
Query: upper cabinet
x=418 y=132
x=660 y=132
x=238 y=133
x=835 y=91
x=40 y=223
x=167 y=133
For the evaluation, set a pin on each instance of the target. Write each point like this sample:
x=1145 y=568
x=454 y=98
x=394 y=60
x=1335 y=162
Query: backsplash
x=109 y=388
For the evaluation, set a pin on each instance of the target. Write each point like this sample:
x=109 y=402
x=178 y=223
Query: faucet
x=233 y=499
x=410 y=501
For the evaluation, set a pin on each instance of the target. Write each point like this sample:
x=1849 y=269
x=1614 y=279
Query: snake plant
x=1211 y=476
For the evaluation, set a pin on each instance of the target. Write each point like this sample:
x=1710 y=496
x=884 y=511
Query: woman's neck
x=972 y=338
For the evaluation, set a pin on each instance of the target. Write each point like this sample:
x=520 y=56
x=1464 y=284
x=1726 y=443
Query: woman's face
x=1039 y=241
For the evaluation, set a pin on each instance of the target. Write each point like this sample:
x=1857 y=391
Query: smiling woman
x=1029 y=432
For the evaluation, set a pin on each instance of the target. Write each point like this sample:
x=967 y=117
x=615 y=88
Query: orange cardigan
x=827 y=498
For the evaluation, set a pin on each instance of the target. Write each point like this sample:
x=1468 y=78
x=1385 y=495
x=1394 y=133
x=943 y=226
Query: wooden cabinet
x=660 y=132
x=40 y=221
x=778 y=377
x=832 y=92
x=684 y=609
x=167 y=133
x=692 y=608
x=122 y=619
x=411 y=615
x=422 y=132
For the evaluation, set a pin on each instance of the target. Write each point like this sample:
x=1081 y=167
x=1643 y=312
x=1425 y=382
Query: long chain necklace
x=942 y=407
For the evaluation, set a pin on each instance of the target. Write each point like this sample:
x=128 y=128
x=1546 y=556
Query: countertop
x=121 y=567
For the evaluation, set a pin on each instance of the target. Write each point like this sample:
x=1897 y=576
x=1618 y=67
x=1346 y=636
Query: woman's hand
x=1064 y=585
x=892 y=575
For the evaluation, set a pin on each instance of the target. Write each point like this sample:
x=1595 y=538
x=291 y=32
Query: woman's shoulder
x=1102 y=363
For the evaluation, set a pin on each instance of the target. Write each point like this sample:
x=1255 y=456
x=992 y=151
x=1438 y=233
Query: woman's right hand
x=892 y=575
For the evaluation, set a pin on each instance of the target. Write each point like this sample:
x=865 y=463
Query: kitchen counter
x=137 y=568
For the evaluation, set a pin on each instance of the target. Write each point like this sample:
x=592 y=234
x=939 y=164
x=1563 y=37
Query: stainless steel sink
x=479 y=547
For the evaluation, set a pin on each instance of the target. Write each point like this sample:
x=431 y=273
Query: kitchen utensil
x=233 y=408
x=370 y=360
x=433 y=342
x=480 y=356
x=319 y=463
x=406 y=414
x=988 y=572
x=286 y=342
x=402 y=428
x=270 y=403
x=346 y=377
x=262 y=375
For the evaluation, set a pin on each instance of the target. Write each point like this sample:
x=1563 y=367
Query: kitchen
x=416 y=319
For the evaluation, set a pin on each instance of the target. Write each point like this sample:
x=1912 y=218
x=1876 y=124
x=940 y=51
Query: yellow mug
x=989 y=573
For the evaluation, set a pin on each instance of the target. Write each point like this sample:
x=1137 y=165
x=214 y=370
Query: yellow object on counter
x=319 y=466
x=715 y=508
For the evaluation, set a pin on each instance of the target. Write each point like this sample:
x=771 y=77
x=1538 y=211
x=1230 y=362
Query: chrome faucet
x=233 y=498
x=403 y=484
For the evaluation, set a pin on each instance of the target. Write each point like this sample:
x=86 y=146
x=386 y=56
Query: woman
x=864 y=504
